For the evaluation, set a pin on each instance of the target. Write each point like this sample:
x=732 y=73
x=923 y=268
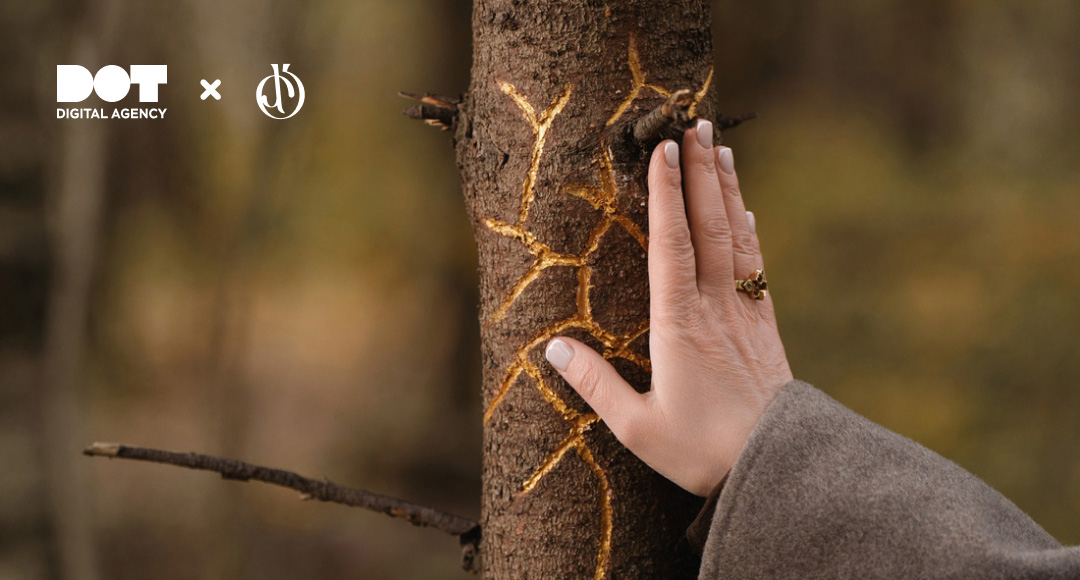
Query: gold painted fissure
x=638 y=83
x=604 y=199
x=540 y=126
x=700 y=94
x=605 y=509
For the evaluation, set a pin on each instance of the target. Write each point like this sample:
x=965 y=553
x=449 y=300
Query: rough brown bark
x=558 y=202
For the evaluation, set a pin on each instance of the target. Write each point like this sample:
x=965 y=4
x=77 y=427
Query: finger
x=593 y=377
x=672 y=281
x=755 y=244
x=709 y=225
x=767 y=311
x=745 y=258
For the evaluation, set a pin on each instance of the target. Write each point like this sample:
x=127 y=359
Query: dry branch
x=672 y=117
x=324 y=490
x=674 y=112
x=435 y=110
x=726 y=122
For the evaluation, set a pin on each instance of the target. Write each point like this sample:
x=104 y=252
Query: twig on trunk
x=435 y=110
x=635 y=139
x=467 y=530
x=673 y=115
x=724 y=122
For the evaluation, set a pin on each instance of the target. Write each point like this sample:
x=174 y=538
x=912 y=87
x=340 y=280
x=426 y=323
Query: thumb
x=593 y=377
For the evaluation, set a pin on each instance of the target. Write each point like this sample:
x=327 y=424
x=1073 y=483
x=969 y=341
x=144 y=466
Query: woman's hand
x=716 y=354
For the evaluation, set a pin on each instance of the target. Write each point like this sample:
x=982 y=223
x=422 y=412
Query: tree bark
x=556 y=192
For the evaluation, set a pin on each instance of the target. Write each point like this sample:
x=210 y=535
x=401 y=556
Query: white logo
x=74 y=84
x=293 y=93
x=112 y=83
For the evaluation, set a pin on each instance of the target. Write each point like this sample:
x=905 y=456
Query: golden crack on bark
x=581 y=424
x=540 y=126
x=604 y=551
x=700 y=94
x=576 y=441
x=638 y=84
x=604 y=199
x=545 y=258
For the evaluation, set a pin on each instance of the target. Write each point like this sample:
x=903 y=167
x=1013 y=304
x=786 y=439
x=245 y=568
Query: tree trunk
x=77 y=200
x=557 y=197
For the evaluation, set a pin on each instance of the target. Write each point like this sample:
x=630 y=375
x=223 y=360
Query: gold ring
x=756 y=285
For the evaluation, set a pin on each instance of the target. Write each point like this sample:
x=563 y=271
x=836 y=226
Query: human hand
x=717 y=358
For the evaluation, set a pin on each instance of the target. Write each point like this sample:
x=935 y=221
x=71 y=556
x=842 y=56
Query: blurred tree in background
x=304 y=294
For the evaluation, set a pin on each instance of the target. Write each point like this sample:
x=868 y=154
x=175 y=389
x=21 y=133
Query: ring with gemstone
x=756 y=285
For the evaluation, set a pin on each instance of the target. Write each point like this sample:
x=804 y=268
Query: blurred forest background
x=303 y=293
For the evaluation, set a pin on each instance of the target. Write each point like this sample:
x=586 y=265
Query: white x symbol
x=211 y=89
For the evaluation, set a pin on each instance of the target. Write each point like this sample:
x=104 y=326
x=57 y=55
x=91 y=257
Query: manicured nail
x=559 y=354
x=704 y=133
x=727 y=161
x=753 y=222
x=671 y=154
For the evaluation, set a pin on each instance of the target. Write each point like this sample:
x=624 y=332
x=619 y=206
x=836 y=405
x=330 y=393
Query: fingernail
x=727 y=161
x=704 y=134
x=671 y=154
x=753 y=222
x=559 y=354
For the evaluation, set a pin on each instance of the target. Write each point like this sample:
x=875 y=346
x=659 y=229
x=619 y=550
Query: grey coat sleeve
x=821 y=492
